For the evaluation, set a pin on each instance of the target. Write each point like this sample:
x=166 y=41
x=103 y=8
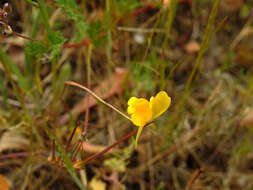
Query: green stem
x=45 y=18
x=109 y=37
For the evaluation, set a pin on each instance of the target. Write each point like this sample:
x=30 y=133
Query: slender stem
x=21 y=154
x=53 y=149
x=44 y=14
x=109 y=36
x=72 y=83
x=25 y=37
x=77 y=149
x=88 y=64
x=70 y=138
x=94 y=156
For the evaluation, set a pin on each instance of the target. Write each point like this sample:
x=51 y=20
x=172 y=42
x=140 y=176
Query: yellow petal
x=130 y=110
x=131 y=100
x=137 y=120
x=159 y=104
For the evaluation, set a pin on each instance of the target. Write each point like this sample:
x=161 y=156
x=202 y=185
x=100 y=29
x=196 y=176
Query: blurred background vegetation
x=199 y=51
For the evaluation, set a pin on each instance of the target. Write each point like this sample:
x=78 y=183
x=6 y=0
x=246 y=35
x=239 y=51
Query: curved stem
x=72 y=83
x=95 y=156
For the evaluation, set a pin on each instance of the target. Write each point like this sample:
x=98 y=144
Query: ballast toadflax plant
x=142 y=110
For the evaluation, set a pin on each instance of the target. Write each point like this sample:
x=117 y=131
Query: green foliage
x=95 y=29
x=245 y=10
x=10 y=68
x=228 y=62
x=73 y=11
x=120 y=161
x=64 y=75
x=35 y=48
x=124 y=6
x=160 y=186
x=143 y=76
x=56 y=40
x=32 y=2
x=69 y=166
x=3 y=90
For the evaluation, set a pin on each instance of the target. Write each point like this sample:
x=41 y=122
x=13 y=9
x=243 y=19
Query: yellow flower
x=142 y=110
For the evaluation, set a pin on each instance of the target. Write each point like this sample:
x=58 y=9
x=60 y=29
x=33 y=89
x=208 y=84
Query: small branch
x=193 y=179
x=141 y=30
x=53 y=149
x=95 y=156
x=21 y=154
x=72 y=83
x=25 y=37
x=88 y=64
x=71 y=137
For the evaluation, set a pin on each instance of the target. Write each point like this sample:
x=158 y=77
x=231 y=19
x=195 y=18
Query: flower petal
x=159 y=104
x=131 y=100
x=130 y=110
x=137 y=120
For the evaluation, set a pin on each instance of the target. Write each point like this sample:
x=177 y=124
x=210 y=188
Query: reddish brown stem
x=95 y=156
x=21 y=154
x=53 y=149
x=87 y=110
x=85 y=42
x=77 y=149
x=61 y=98
x=71 y=137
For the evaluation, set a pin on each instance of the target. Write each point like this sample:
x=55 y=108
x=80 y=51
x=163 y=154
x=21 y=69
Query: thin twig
x=53 y=149
x=21 y=154
x=87 y=110
x=25 y=37
x=141 y=30
x=194 y=177
x=71 y=137
x=94 y=156
x=72 y=83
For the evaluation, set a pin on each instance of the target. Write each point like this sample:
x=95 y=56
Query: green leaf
x=69 y=166
x=73 y=11
x=11 y=68
x=94 y=31
x=56 y=40
x=64 y=75
x=35 y=48
x=3 y=90
x=32 y=2
x=124 y=6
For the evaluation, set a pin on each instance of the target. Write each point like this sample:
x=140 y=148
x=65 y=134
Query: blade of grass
x=3 y=91
x=88 y=64
x=109 y=37
x=209 y=33
x=32 y=3
x=33 y=34
x=69 y=166
x=44 y=14
x=172 y=13
x=7 y=62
